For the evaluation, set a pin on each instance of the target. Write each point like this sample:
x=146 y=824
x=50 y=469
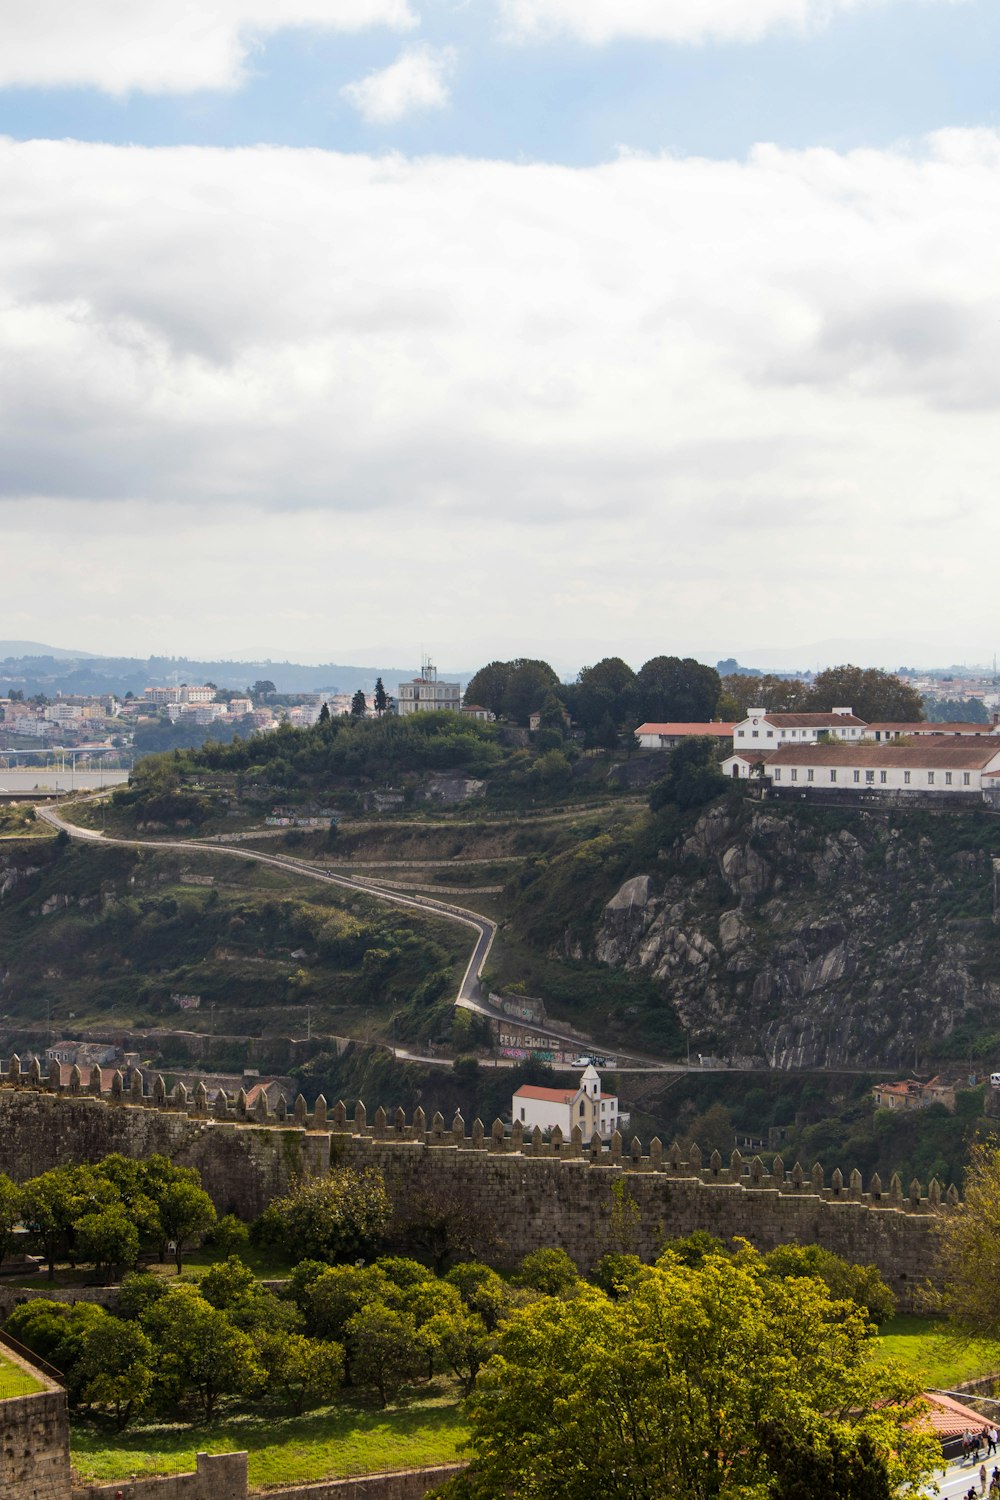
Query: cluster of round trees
x=106 y=1215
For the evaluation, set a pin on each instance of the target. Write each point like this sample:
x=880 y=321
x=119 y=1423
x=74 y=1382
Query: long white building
x=938 y=766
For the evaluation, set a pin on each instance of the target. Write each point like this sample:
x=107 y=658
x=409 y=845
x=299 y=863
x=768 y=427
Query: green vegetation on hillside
x=104 y=931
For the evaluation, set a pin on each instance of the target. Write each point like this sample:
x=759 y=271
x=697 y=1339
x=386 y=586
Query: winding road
x=469 y=995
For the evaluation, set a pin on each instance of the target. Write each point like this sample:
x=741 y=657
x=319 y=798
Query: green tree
x=52 y=1202
x=673 y=1391
x=955 y=711
x=386 y=1349
x=464 y=1343
x=333 y=1218
x=186 y=1213
x=233 y=1288
x=528 y=686
x=302 y=1373
x=692 y=778
x=200 y=1356
x=482 y=1291
x=262 y=689
x=740 y=693
x=488 y=687
x=608 y=690
x=550 y=1271
x=864 y=1285
x=381 y=697
x=969 y=1251
x=359 y=705
x=10 y=1215
x=874 y=695
x=114 y=1373
x=107 y=1239
x=324 y=715
x=56 y=1331
x=672 y=689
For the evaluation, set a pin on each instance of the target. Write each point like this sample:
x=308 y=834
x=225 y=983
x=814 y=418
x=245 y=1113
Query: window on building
x=522 y=1113
x=906 y=778
x=776 y=773
x=930 y=778
x=966 y=778
x=755 y=734
x=883 y=777
x=741 y=734
x=833 y=775
x=809 y=775
x=795 y=774
x=582 y=1106
x=857 y=775
x=869 y=778
x=947 y=778
x=770 y=734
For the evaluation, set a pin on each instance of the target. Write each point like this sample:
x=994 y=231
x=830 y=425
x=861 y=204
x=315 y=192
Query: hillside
x=790 y=936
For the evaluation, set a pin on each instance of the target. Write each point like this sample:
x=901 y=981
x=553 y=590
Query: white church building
x=585 y=1106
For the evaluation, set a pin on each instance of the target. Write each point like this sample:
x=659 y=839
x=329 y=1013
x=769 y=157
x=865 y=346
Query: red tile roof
x=948 y=754
x=926 y=727
x=950 y=1418
x=716 y=727
x=812 y=721
x=548 y=1096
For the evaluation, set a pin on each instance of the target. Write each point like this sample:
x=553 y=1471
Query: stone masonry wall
x=34 y=1441
x=219 y=1476
x=532 y=1192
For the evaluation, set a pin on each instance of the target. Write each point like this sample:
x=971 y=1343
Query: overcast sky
x=346 y=329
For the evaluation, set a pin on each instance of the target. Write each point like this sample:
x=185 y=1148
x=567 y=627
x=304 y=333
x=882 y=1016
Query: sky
x=356 y=329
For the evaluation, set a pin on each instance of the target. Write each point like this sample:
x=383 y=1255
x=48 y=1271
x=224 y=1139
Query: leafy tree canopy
x=693 y=776
x=781 y=695
x=874 y=695
x=956 y=711
x=672 y=689
x=674 y=1392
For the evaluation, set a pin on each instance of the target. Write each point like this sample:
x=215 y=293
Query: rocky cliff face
x=815 y=938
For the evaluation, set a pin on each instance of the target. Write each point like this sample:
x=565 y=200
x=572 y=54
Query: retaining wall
x=34 y=1441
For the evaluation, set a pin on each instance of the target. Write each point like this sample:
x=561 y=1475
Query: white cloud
x=417 y=80
x=162 y=46
x=600 y=21
x=607 y=397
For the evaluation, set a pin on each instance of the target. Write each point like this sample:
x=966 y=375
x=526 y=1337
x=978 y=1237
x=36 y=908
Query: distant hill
x=35 y=648
x=45 y=669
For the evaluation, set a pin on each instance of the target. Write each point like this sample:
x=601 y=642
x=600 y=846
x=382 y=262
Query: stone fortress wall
x=534 y=1192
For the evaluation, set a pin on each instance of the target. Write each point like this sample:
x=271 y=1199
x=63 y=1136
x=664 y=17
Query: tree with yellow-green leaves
x=708 y=1382
x=969 y=1254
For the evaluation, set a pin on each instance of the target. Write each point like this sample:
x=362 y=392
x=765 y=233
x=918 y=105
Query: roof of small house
x=813 y=721
x=754 y=757
x=950 y=755
x=949 y=1418
x=716 y=727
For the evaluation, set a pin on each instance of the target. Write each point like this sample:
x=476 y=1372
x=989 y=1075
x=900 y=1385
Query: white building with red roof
x=586 y=1106
x=668 y=736
x=940 y=766
x=761 y=730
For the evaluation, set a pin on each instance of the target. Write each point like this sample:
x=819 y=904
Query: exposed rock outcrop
x=800 y=941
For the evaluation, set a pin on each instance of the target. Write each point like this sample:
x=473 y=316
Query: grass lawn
x=16 y=1382
x=325 y=1444
x=929 y=1349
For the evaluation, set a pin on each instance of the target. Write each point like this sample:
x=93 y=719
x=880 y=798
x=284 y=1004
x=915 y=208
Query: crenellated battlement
x=385 y=1128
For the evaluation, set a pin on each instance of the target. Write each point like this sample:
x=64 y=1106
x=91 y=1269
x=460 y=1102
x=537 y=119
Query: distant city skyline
x=621 y=325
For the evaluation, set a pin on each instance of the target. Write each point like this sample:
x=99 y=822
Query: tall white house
x=586 y=1106
x=426 y=694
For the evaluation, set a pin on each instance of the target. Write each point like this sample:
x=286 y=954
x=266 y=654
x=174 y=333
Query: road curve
x=469 y=990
